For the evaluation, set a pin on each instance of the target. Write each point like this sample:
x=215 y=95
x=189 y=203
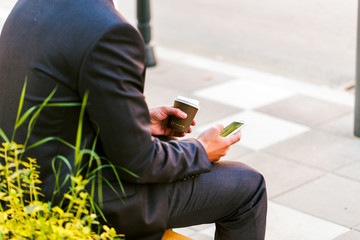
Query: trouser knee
x=252 y=185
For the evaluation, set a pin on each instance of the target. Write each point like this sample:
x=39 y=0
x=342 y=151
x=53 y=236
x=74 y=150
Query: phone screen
x=231 y=128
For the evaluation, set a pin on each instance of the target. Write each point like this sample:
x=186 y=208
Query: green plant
x=23 y=215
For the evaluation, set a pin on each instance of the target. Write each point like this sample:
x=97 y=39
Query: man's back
x=46 y=42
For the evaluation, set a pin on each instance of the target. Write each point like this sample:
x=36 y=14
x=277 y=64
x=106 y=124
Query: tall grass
x=23 y=215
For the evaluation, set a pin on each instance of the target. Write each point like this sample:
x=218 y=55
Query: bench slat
x=171 y=235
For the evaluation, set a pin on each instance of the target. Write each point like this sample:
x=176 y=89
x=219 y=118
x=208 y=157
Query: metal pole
x=357 y=85
x=143 y=16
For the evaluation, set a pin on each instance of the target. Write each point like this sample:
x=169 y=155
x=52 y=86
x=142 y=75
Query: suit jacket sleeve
x=113 y=74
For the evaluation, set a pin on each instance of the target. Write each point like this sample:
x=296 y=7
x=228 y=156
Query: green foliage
x=23 y=215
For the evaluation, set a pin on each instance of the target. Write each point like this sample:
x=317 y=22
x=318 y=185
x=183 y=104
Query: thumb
x=219 y=127
x=177 y=112
x=234 y=138
x=166 y=111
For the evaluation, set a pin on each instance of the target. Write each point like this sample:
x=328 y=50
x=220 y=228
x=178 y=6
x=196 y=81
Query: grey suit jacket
x=78 y=46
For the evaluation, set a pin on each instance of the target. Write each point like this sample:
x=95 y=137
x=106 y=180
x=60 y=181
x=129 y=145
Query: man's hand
x=216 y=146
x=159 y=120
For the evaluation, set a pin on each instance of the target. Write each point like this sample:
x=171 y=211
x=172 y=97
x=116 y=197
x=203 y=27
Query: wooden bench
x=171 y=235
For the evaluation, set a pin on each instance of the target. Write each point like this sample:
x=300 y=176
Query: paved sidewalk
x=298 y=135
x=5 y=7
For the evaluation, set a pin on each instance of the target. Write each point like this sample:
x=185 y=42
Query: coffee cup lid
x=190 y=101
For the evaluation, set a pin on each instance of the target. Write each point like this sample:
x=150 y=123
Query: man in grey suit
x=80 y=46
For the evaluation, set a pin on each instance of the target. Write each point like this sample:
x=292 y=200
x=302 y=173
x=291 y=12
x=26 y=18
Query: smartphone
x=233 y=128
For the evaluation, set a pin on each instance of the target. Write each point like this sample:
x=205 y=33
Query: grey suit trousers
x=232 y=195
